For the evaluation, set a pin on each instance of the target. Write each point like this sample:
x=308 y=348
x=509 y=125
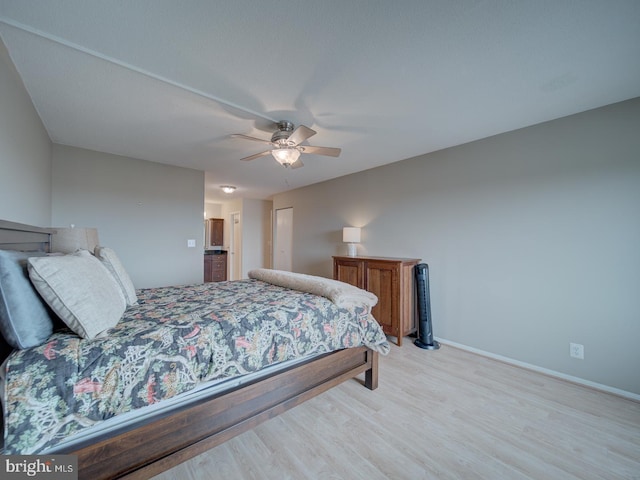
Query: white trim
x=551 y=373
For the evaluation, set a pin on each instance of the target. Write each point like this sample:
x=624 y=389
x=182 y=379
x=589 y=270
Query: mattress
x=173 y=344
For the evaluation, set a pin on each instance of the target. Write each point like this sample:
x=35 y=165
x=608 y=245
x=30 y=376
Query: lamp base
x=352 y=250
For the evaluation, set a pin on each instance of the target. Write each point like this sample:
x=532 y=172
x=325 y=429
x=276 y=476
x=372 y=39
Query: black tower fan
x=425 y=327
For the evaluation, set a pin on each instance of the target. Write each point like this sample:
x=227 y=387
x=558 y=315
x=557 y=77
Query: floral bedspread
x=174 y=339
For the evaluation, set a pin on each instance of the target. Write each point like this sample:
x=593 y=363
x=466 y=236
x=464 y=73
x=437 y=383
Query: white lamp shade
x=68 y=240
x=351 y=235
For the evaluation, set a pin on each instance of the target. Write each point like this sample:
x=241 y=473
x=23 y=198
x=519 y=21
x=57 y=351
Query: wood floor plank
x=445 y=414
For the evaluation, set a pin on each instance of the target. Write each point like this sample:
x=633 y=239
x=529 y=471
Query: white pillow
x=110 y=260
x=80 y=290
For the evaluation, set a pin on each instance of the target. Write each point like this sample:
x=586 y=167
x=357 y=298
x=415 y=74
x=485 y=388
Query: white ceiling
x=384 y=80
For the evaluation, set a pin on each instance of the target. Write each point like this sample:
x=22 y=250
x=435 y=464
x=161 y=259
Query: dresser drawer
x=215 y=268
x=218 y=261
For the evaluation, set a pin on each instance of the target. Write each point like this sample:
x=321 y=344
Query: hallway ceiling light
x=228 y=188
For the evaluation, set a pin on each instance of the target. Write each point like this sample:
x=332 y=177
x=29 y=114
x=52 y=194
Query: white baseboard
x=552 y=373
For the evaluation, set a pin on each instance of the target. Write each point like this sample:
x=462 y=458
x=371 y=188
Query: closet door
x=283 y=241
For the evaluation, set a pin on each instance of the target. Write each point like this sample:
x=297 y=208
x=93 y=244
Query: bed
x=219 y=377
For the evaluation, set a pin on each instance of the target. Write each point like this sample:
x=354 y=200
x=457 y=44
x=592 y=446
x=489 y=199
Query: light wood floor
x=446 y=414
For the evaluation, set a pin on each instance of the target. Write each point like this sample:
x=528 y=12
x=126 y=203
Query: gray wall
x=532 y=238
x=25 y=152
x=145 y=211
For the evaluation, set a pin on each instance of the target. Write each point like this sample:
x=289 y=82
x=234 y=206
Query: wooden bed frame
x=152 y=446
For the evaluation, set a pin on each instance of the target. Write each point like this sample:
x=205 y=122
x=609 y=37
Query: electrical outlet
x=576 y=350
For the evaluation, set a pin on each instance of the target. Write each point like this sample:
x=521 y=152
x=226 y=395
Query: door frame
x=235 y=254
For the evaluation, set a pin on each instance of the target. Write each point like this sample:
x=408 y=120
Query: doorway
x=235 y=246
x=282 y=245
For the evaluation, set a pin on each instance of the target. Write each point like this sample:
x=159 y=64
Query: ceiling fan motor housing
x=284 y=131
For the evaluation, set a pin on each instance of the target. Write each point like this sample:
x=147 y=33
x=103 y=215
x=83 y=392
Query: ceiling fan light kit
x=286 y=156
x=286 y=145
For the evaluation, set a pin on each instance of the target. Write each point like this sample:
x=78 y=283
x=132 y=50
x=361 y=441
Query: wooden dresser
x=215 y=267
x=392 y=281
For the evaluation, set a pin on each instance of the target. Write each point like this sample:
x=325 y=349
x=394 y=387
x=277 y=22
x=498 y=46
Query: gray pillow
x=25 y=320
x=110 y=260
x=80 y=290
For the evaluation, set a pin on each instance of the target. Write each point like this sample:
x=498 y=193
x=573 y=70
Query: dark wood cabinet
x=215 y=267
x=391 y=280
x=215 y=232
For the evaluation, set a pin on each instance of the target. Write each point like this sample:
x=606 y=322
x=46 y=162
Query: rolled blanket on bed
x=340 y=293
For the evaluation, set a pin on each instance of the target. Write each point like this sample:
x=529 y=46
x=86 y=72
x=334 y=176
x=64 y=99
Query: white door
x=235 y=247
x=282 y=244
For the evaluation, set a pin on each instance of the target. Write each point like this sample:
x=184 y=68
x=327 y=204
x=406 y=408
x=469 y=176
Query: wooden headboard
x=26 y=238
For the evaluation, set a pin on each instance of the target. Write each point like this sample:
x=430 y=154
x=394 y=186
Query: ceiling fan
x=286 y=142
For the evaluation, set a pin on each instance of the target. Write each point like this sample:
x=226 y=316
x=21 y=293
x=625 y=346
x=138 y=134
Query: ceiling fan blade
x=257 y=155
x=328 y=151
x=247 y=137
x=300 y=134
x=297 y=164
